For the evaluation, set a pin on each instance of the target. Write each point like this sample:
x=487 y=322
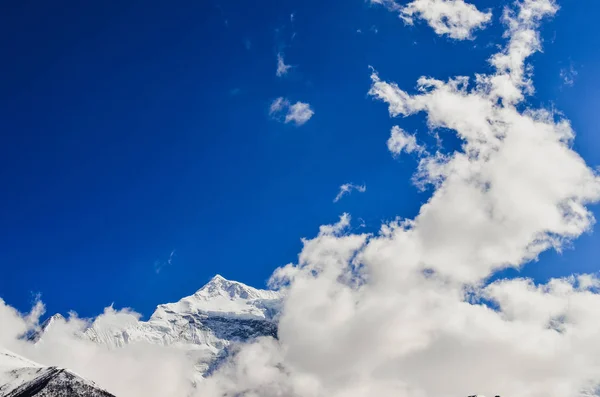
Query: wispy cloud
x=347 y=188
x=278 y=105
x=282 y=68
x=160 y=264
x=568 y=75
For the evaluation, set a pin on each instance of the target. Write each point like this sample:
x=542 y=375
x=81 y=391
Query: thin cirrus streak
x=347 y=188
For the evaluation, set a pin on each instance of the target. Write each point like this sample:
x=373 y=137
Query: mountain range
x=220 y=314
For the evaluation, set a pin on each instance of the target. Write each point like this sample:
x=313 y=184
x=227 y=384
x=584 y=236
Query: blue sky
x=132 y=131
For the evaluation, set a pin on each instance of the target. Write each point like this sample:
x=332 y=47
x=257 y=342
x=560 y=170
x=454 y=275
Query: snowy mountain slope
x=206 y=323
x=20 y=377
x=15 y=371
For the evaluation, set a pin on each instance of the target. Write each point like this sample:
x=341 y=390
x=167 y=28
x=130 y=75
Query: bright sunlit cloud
x=298 y=113
x=454 y=18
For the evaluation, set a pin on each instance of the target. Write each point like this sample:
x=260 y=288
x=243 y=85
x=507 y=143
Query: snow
x=221 y=297
x=221 y=313
x=10 y=360
x=18 y=374
x=15 y=371
x=205 y=324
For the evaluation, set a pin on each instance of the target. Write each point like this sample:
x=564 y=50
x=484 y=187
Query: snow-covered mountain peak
x=51 y=320
x=224 y=298
x=220 y=314
x=219 y=286
x=35 y=335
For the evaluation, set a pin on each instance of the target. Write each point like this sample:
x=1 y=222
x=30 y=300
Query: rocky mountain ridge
x=20 y=377
x=221 y=313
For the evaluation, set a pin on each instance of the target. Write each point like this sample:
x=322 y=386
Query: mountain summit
x=224 y=298
x=220 y=286
x=219 y=314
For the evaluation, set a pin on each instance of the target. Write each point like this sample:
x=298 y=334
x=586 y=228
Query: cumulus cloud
x=454 y=18
x=400 y=141
x=282 y=68
x=298 y=113
x=347 y=188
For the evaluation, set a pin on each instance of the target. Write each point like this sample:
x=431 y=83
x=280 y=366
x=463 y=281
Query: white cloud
x=298 y=113
x=347 y=188
x=401 y=141
x=282 y=68
x=454 y=18
x=278 y=105
x=136 y=370
x=402 y=312
x=390 y=4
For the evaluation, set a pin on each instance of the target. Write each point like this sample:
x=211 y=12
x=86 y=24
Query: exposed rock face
x=56 y=382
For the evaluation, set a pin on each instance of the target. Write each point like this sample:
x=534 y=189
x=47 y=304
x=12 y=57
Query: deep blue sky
x=132 y=129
